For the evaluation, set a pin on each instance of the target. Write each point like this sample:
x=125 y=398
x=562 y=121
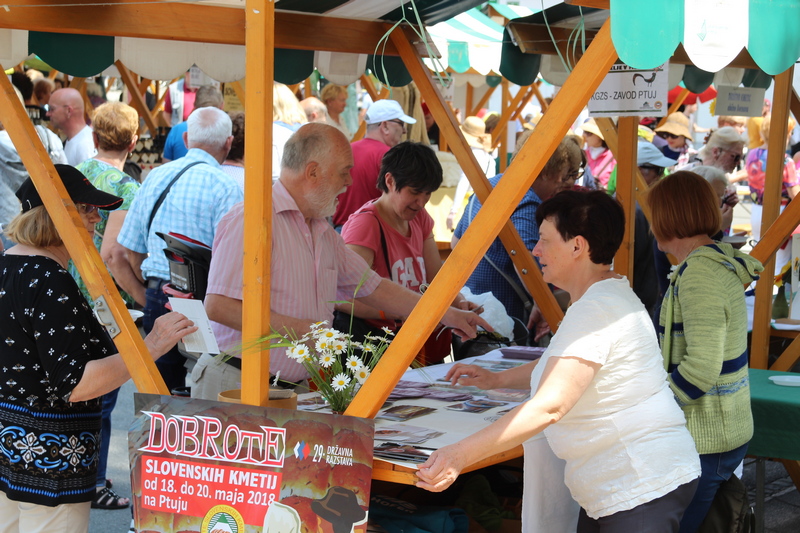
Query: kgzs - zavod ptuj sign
x=209 y=467
x=626 y=91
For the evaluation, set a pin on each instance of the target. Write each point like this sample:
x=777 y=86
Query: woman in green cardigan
x=703 y=330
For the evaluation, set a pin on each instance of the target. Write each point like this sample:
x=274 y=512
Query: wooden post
x=470 y=96
x=511 y=108
x=366 y=82
x=626 y=192
x=137 y=101
x=606 y=125
x=539 y=97
x=496 y=211
x=259 y=38
x=78 y=242
x=759 y=351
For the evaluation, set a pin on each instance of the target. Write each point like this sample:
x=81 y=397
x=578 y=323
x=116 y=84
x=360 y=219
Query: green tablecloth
x=776 y=414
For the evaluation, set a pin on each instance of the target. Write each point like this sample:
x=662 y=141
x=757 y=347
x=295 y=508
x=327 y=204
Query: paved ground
x=782 y=498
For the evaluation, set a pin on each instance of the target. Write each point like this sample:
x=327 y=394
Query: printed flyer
x=199 y=466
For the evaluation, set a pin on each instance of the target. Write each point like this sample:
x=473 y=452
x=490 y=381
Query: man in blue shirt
x=175 y=147
x=193 y=207
x=558 y=174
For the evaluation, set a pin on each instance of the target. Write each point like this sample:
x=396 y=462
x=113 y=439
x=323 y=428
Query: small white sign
x=630 y=92
x=202 y=340
x=739 y=101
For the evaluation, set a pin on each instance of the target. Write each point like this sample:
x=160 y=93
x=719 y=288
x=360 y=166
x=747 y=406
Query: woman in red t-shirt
x=394 y=234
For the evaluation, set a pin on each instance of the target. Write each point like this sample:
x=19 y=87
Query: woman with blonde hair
x=335 y=99
x=63 y=361
x=287 y=117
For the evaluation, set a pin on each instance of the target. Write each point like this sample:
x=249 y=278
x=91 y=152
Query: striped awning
x=470 y=40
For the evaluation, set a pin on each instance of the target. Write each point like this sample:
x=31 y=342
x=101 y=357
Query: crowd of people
x=352 y=243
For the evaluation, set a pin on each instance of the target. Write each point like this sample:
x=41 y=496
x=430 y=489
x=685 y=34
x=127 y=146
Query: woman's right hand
x=167 y=331
x=472 y=376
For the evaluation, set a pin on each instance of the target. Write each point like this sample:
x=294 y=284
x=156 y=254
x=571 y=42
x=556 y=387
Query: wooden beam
x=198 y=23
x=257 y=201
x=759 y=351
x=496 y=211
x=160 y=103
x=366 y=83
x=499 y=138
x=481 y=102
x=626 y=192
x=137 y=100
x=673 y=108
x=469 y=96
x=773 y=238
x=525 y=101
x=79 y=244
x=790 y=356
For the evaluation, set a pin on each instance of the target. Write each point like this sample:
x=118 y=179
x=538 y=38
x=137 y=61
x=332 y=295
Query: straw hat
x=474 y=130
x=676 y=124
x=590 y=126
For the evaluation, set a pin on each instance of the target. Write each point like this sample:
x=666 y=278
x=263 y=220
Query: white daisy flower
x=388 y=331
x=353 y=363
x=317 y=325
x=340 y=382
x=328 y=333
x=362 y=374
x=326 y=360
x=323 y=345
x=338 y=346
x=298 y=352
x=368 y=348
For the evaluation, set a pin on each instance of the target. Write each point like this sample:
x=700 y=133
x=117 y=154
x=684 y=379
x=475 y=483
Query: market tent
x=222 y=58
x=468 y=41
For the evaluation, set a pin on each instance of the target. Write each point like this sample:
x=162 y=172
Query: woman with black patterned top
x=56 y=360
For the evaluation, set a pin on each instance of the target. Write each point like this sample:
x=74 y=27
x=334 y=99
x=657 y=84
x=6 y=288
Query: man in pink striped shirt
x=311 y=266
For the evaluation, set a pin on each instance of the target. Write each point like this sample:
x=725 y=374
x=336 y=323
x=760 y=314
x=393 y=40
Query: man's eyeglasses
x=86 y=209
x=667 y=135
x=400 y=122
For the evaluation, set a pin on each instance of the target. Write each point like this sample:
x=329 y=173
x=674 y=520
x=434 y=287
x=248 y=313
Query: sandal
x=109 y=484
x=106 y=498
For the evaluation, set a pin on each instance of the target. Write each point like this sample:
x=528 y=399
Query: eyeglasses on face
x=575 y=174
x=86 y=209
x=667 y=135
x=399 y=122
x=736 y=156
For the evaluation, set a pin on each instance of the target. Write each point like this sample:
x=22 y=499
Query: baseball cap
x=80 y=190
x=648 y=154
x=387 y=110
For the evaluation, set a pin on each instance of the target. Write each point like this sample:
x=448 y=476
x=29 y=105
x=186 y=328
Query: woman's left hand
x=440 y=470
x=167 y=331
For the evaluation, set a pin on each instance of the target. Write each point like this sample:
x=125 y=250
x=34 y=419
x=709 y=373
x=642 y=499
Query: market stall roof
x=711 y=36
x=92 y=51
x=529 y=43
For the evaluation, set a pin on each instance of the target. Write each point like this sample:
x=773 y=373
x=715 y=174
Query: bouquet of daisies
x=336 y=364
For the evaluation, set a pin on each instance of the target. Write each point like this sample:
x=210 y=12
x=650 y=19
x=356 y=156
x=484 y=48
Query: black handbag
x=730 y=511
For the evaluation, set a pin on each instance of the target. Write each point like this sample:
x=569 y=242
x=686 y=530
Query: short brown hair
x=683 y=205
x=568 y=154
x=33 y=228
x=115 y=124
x=765 y=125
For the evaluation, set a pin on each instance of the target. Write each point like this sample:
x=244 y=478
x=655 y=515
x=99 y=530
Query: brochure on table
x=206 y=466
x=407 y=430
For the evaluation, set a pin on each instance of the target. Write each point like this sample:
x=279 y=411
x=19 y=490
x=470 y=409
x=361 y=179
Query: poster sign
x=631 y=92
x=197 y=78
x=739 y=101
x=210 y=467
